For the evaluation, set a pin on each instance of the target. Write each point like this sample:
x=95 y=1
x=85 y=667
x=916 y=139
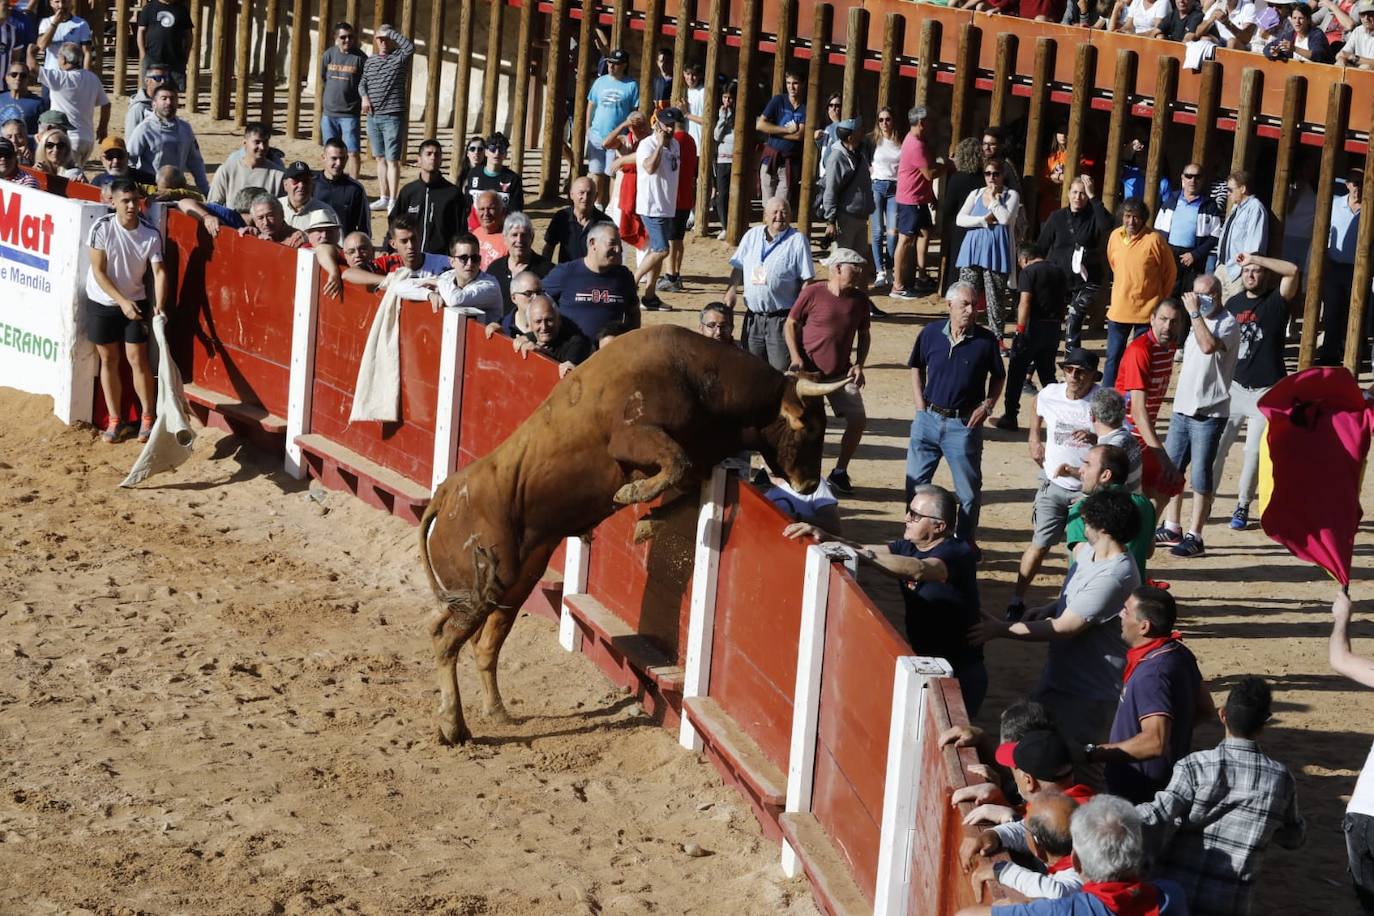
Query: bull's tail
x=427 y=522
x=473 y=604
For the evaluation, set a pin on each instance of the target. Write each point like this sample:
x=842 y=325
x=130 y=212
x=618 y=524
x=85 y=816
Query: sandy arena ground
x=217 y=692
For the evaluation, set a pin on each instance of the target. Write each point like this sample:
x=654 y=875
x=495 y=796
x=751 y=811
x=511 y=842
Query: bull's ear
x=793 y=410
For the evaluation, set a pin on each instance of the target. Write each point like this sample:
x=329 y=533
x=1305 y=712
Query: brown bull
x=654 y=410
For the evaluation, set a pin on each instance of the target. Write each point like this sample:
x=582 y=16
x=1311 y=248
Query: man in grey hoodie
x=141 y=105
x=165 y=139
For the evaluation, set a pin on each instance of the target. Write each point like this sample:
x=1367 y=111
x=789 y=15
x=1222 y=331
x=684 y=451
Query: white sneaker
x=881 y=279
x=720 y=236
x=381 y=203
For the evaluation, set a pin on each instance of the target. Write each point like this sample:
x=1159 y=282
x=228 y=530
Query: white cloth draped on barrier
x=172 y=437
x=377 y=395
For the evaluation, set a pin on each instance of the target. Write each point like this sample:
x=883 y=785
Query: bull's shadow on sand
x=527 y=729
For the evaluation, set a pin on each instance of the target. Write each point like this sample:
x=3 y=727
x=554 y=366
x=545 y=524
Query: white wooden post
x=448 y=412
x=578 y=558
x=701 y=625
x=905 y=740
x=806 y=702
x=301 y=388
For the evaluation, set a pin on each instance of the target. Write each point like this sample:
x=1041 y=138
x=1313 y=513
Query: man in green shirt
x=1107 y=467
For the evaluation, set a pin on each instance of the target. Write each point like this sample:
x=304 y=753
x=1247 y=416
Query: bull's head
x=792 y=443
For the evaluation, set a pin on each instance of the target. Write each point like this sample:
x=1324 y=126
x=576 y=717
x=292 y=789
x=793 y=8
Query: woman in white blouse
x=1138 y=16
x=886 y=150
x=986 y=257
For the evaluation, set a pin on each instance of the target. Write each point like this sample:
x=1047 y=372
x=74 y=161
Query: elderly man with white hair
x=520 y=256
x=77 y=93
x=771 y=265
x=1109 y=855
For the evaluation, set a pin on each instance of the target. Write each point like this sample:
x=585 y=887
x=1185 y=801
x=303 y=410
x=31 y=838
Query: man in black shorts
x=123 y=246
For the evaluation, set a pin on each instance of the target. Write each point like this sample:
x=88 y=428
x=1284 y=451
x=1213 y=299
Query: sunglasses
x=715 y=325
x=528 y=292
x=476 y=148
x=52 y=144
x=833 y=105
x=912 y=515
x=157 y=77
x=1190 y=176
x=499 y=150
x=113 y=154
x=1075 y=370
x=992 y=174
x=467 y=258
x=17 y=74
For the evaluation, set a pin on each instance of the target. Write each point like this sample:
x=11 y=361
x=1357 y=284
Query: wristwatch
x=1088 y=750
x=1194 y=316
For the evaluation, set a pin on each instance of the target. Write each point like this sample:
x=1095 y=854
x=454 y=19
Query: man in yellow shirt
x=1144 y=272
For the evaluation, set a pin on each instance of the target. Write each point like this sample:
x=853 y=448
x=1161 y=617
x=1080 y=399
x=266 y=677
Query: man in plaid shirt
x=1221 y=809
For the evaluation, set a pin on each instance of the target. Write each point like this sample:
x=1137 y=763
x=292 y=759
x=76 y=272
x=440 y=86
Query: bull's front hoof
x=627 y=494
x=498 y=715
x=453 y=733
x=646 y=529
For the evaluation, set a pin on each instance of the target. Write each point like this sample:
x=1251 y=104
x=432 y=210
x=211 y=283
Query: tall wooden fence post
x=1337 y=115
x=491 y=77
x=1294 y=104
x=583 y=71
x=821 y=31
x=620 y=17
x=521 y=78
x=1004 y=68
x=555 y=74
x=326 y=32
x=268 y=97
x=1355 y=338
x=296 y=74
x=786 y=32
x=1251 y=89
x=648 y=53
x=715 y=38
x=353 y=14
x=243 y=48
x=1209 y=94
x=965 y=69
x=682 y=37
x=1043 y=73
x=219 y=74
x=927 y=55
x=1085 y=68
x=1166 y=88
x=434 y=69
x=121 y=51
x=742 y=172
x=198 y=23
x=1122 y=95
x=462 y=83
x=857 y=39
x=894 y=42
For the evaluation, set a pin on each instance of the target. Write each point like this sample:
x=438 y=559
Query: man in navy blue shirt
x=596 y=290
x=938 y=584
x=783 y=120
x=956 y=377
x=1161 y=699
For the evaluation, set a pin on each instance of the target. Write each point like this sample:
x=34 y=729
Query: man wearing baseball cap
x=659 y=163
x=298 y=204
x=609 y=102
x=1358 y=50
x=496 y=176
x=9 y=167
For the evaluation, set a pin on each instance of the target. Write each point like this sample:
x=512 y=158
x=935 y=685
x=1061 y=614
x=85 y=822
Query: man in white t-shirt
x=122 y=248
x=1358 y=50
x=1359 y=812
x=659 y=164
x=1202 y=402
x=61 y=27
x=1231 y=23
x=77 y=93
x=1062 y=414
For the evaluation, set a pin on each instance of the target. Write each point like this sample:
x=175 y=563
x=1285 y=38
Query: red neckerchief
x=1137 y=655
x=1063 y=864
x=1080 y=793
x=1126 y=898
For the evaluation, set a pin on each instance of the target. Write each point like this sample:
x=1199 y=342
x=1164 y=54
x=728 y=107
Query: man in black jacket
x=431 y=200
x=343 y=194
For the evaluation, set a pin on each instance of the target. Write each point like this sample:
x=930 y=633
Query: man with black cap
x=1041 y=761
x=916 y=176
x=496 y=176
x=298 y=204
x=431 y=200
x=659 y=165
x=1059 y=438
x=847 y=190
x=9 y=167
x=610 y=100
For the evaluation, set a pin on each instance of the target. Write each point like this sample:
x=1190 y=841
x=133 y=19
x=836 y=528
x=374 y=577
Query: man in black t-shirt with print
x=939 y=586
x=1263 y=309
x=164 y=38
x=1042 y=296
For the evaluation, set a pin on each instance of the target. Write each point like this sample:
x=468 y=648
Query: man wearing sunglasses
x=464 y=286
x=141 y=105
x=939 y=584
x=1358 y=50
x=17 y=101
x=341 y=71
x=493 y=176
x=9 y=167
x=1191 y=221
x=609 y=102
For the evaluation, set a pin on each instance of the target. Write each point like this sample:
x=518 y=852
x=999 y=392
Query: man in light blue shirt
x=610 y=100
x=1339 y=276
x=1246 y=231
x=772 y=264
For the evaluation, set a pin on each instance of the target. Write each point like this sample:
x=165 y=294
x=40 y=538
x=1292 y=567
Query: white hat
x=845 y=256
x=320 y=219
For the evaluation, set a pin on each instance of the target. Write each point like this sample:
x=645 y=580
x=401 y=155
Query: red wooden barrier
x=861 y=651
x=500 y=389
x=63 y=187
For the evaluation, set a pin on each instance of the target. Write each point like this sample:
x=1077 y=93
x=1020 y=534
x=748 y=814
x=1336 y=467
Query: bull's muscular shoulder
x=675 y=361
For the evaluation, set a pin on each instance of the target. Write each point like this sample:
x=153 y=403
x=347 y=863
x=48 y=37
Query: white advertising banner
x=42 y=280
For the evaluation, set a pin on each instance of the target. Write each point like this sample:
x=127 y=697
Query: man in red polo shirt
x=820 y=332
x=1143 y=378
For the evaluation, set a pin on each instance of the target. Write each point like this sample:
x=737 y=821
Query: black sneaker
x=654 y=304
x=1016 y=610
x=1007 y=423
x=876 y=312
x=839 y=482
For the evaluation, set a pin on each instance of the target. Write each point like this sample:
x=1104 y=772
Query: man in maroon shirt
x=820 y=331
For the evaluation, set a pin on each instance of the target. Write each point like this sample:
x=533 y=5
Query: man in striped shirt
x=1143 y=378
x=383 y=93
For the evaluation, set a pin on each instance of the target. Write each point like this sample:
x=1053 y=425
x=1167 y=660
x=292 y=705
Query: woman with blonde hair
x=55 y=156
x=883 y=157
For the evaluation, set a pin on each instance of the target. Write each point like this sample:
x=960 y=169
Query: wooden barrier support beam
x=1046 y=50
x=1123 y=94
x=857 y=39
x=267 y=99
x=577 y=561
x=965 y=69
x=326 y=42
x=927 y=55
x=1355 y=339
x=620 y=17
x=786 y=31
x=121 y=49
x=1209 y=95
x=701 y=622
x=1251 y=88
x=706 y=156
x=906 y=736
x=1338 y=118
x=448 y=409
x=1083 y=83
x=353 y=14
x=462 y=84
x=300 y=389
x=583 y=73
x=742 y=169
x=1166 y=88
x=381 y=14
x=219 y=58
x=682 y=22
x=806 y=699
x=555 y=74
x=434 y=67
x=243 y=47
x=521 y=78
x=299 y=40
x=1294 y=104
x=1004 y=67
x=648 y=53
x=198 y=24
x=491 y=75
x=821 y=31
x=894 y=42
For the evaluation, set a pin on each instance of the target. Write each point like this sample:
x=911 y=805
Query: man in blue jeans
x=1202 y=403
x=341 y=72
x=956 y=378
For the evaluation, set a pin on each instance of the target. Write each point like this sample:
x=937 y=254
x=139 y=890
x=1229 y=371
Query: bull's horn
x=806 y=388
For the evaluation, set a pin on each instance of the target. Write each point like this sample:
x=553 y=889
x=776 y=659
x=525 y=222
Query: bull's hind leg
x=486 y=648
x=646 y=446
x=448 y=636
